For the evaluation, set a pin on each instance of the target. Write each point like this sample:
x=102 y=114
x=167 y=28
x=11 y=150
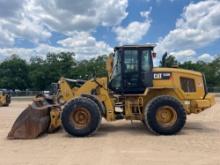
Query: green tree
x=214 y=71
x=38 y=74
x=14 y=73
x=44 y=72
x=170 y=61
x=87 y=69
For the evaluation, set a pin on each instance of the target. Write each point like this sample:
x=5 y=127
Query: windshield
x=116 y=73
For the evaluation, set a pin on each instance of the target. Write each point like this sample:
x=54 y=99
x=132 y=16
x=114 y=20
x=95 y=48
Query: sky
x=187 y=29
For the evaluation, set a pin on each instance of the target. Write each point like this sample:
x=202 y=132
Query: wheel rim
x=166 y=116
x=80 y=118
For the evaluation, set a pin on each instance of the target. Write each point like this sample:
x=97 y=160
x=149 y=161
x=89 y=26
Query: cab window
x=145 y=62
x=131 y=61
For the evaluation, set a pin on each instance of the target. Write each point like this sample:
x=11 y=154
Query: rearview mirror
x=154 y=54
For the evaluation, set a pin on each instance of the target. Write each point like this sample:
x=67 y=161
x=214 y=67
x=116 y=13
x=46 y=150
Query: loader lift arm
x=95 y=87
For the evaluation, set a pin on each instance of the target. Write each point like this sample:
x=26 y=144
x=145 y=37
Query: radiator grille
x=187 y=84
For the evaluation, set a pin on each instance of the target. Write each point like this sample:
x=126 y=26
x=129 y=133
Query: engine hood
x=158 y=69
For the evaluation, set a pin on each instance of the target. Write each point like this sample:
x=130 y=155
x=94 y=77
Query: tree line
x=39 y=73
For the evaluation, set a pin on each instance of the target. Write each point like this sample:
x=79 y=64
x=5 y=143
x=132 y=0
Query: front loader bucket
x=31 y=123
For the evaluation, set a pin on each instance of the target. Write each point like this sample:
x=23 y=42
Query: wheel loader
x=5 y=98
x=160 y=97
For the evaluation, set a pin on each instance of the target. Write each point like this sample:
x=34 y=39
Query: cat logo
x=157 y=75
x=162 y=75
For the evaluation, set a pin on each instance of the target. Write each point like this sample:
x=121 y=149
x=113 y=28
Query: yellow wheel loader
x=134 y=90
x=5 y=98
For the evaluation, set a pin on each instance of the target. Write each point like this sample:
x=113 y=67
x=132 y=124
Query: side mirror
x=154 y=54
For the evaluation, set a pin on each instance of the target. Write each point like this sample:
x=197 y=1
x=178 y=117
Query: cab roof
x=137 y=46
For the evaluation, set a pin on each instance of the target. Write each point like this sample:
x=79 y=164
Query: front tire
x=165 y=115
x=81 y=117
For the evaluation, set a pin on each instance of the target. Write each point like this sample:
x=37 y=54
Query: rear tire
x=165 y=115
x=81 y=117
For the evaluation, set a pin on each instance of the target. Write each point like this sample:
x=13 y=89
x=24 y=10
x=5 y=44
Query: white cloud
x=188 y=55
x=184 y=55
x=6 y=38
x=85 y=15
x=82 y=44
x=10 y=8
x=135 y=31
x=35 y=20
x=85 y=45
x=159 y=1
x=181 y=55
x=26 y=53
x=27 y=29
x=146 y=14
x=19 y=22
x=206 y=57
x=198 y=26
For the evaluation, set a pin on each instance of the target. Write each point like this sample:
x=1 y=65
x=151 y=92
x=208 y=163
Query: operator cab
x=132 y=69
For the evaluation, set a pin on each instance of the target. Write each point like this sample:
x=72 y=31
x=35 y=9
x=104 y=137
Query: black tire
x=71 y=108
x=96 y=100
x=152 y=109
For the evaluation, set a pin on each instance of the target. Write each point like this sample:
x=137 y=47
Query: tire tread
x=154 y=103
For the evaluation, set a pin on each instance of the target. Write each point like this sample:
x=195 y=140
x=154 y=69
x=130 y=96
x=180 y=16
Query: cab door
x=136 y=72
x=146 y=66
x=130 y=71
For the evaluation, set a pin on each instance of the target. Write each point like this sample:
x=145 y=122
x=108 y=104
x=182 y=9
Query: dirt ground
x=115 y=143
